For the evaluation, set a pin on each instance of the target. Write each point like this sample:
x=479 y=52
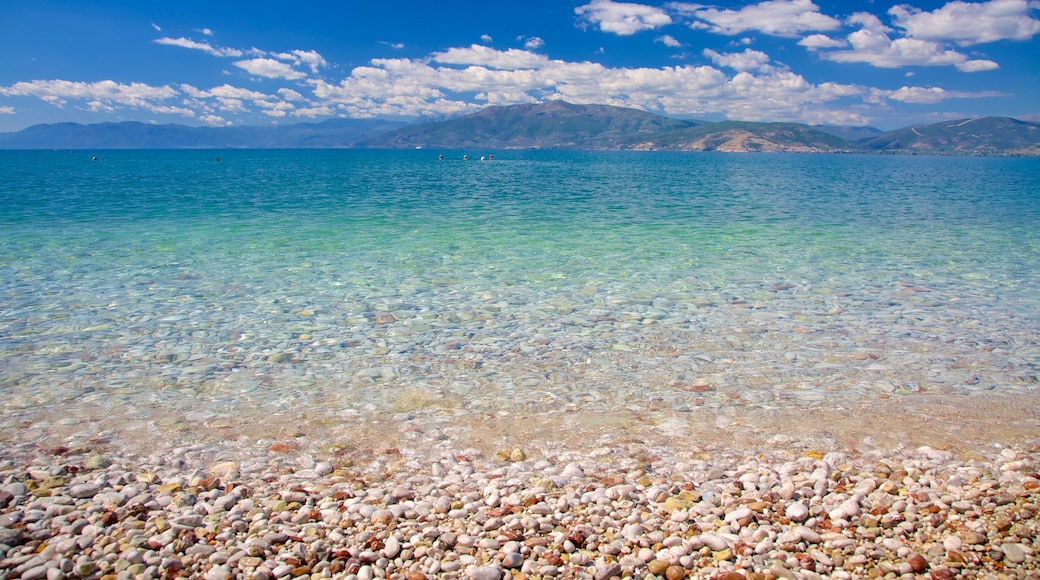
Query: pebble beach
x=300 y=508
x=373 y=365
x=907 y=487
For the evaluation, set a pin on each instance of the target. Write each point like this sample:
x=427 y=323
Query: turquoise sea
x=167 y=293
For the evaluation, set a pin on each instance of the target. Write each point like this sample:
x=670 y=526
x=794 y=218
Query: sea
x=518 y=298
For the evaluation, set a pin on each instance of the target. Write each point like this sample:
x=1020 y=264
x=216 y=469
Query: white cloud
x=290 y=95
x=484 y=56
x=623 y=18
x=310 y=58
x=774 y=17
x=156 y=27
x=464 y=80
x=215 y=120
x=668 y=40
x=485 y=38
x=206 y=31
x=871 y=44
x=534 y=43
x=740 y=61
x=815 y=41
x=968 y=23
x=6 y=110
x=98 y=94
x=203 y=46
x=977 y=65
x=269 y=68
x=932 y=95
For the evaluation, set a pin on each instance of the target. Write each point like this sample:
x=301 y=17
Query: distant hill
x=560 y=125
x=849 y=133
x=738 y=136
x=330 y=134
x=980 y=136
x=553 y=125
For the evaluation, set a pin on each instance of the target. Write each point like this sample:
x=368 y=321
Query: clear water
x=181 y=288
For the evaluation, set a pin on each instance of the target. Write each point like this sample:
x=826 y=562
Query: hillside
x=980 y=136
x=560 y=125
x=738 y=136
x=330 y=134
x=553 y=125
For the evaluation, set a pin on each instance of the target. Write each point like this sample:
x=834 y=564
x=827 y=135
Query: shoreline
x=816 y=500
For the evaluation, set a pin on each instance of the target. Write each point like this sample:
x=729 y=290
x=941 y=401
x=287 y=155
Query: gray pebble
x=512 y=560
x=17 y=489
x=83 y=490
x=1013 y=553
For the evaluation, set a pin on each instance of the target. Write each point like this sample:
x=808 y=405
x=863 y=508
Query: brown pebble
x=941 y=574
x=729 y=576
x=657 y=567
x=917 y=563
x=758 y=506
x=675 y=572
x=973 y=538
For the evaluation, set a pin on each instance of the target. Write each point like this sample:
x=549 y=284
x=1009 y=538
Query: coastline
x=514 y=497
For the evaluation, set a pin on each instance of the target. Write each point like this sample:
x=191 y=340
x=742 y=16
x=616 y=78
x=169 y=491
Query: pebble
x=797 y=512
x=485 y=517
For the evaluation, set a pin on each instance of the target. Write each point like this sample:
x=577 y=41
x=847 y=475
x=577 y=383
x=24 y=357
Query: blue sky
x=887 y=64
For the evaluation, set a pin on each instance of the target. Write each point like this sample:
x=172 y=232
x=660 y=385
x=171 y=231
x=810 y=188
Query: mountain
x=979 y=136
x=737 y=136
x=560 y=125
x=330 y=134
x=849 y=133
x=553 y=125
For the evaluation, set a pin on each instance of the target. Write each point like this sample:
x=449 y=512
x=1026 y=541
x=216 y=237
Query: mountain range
x=552 y=125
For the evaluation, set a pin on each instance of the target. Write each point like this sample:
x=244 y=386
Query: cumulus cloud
x=741 y=61
x=98 y=94
x=968 y=23
x=534 y=43
x=740 y=85
x=289 y=94
x=310 y=58
x=203 y=46
x=932 y=95
x=816 y=41
x=479 y=55
x=466 y=79
x=215 y=120
x=872 y=44
x=269 y=68
x=622 y=18
x=774 y=17
x=485 y=38
x=668 y=40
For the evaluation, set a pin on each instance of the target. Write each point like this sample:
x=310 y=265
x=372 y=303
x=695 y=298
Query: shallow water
x=266 y=293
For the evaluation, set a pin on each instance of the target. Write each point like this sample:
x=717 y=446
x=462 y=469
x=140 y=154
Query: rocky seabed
x=283 y=512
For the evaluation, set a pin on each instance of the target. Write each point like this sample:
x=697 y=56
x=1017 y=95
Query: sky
x=837 y=62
